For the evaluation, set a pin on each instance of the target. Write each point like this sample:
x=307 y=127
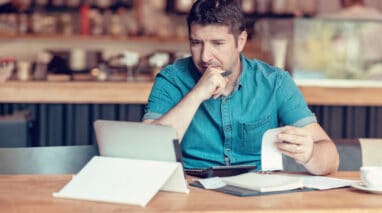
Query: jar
x=66 y=24
x=77 y=59
x=183 y=6
x=248 y=6
x=103 y=3
x=279 y=7
x=308 y=7
x=23 y=24
x=292 y=7
x=23 y=70
x=73 y=3
x=262 y=6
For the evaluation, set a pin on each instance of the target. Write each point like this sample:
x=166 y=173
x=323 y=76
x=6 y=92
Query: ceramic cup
x=371 y=176
x=23 y=70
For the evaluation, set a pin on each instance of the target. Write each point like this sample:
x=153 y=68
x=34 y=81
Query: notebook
x=135 y=140
x=265 y=182
x=253 y=184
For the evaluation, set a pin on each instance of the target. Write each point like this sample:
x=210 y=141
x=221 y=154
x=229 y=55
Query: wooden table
x=33 y=193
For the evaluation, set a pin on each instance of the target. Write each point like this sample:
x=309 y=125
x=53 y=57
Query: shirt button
x=227 y=128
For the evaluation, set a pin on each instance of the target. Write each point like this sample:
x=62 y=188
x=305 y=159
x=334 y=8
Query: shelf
x=148 y=44
x=137 y=93
x=92 y=38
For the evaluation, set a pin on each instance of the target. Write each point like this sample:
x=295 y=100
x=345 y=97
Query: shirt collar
x=244 y=68
x=196 y=75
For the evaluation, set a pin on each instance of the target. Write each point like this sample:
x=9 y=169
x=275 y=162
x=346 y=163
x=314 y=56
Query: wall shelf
x=60 y=37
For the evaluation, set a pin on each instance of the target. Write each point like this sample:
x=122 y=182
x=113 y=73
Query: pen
x=226 y=73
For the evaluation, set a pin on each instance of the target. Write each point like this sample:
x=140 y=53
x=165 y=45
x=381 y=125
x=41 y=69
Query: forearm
x=324 y=158
x=180 y=116
x=211 y=84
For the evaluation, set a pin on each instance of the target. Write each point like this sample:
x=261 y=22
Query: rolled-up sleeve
x=292 y=108
x=164 y=95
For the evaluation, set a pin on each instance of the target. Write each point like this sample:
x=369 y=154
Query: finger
x=290 y=148
x=293 y=155
x=223 y=83
x=220 y=88
x=216 y=70
x=294 y=139
x=213 y=81
x=295 y=131
x=298 y=157
x=216 y=93
x=289 y=154
x=284 y=128
x=215 y=96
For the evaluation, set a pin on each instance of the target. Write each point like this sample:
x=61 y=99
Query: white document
x=212 y=183
x=324 y=183
x=271 y=157
x=276 y=182
x=255 y=181
x=265 y=182
x=121 y=180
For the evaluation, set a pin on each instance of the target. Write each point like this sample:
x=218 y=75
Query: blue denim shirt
x=229 y=130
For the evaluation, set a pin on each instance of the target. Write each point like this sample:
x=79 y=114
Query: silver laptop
x=136 y=140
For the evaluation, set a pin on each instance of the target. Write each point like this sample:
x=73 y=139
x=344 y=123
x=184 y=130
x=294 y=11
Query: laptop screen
x=137 y=140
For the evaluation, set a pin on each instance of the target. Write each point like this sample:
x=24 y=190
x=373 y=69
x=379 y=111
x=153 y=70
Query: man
x=220 y=120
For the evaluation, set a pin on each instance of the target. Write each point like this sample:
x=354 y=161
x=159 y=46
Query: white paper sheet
x=265 y=182
x=276 y=182
x=324 y=183
x=176 y=182
x=271 y=157
x=121 y=180
x=212 y=183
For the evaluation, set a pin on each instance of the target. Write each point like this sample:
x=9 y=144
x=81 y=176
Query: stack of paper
x=265 y=182
x=275 y=182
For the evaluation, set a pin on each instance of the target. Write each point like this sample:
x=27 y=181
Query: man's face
x=215 y=46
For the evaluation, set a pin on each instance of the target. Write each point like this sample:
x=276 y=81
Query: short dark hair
x=220 y=12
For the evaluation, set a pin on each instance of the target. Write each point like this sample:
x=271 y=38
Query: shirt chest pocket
x=250 y=135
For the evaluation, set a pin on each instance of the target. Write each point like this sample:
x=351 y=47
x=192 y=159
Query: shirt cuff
x=151 y=116
x=305 y=121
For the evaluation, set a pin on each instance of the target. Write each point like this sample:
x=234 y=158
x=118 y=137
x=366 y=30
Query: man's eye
x=219 y=43
x=195 y=42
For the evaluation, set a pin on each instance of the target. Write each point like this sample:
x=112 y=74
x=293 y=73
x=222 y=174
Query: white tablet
x=136 y=140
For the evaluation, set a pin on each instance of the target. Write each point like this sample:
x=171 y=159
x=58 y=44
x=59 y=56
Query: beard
x=214 y=64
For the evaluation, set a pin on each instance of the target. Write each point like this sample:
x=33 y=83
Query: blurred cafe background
x=66 y=63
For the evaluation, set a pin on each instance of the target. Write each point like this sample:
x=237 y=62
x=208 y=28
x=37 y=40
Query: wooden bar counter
x=335 y=93
x=33 y=193
x=75 y=92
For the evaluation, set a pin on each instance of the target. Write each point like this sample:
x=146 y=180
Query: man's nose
x=206 y=53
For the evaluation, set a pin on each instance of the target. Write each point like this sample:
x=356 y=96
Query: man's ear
x=241 y=40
